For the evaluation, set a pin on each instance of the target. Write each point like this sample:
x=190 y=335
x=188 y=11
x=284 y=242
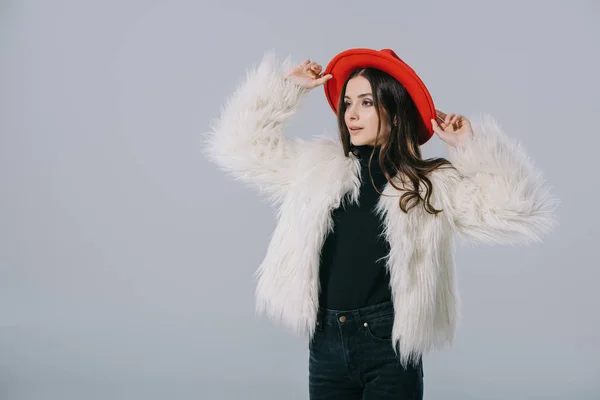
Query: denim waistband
x=327 y=316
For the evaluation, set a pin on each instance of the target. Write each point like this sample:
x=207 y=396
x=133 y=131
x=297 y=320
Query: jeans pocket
x=380 y=329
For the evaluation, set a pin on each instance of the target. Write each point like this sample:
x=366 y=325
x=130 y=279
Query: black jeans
x=351 y=357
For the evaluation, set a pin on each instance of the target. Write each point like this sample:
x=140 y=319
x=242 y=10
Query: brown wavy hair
x=400 y=155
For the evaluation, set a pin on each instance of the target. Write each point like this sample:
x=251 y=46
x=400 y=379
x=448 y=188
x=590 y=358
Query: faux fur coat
x=493 y=194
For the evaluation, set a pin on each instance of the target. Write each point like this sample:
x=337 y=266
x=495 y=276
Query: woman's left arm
x=496 y=195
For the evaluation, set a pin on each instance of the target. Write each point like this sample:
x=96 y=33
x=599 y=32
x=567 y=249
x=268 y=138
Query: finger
x=441 y=122
x=312 y=65
x=440 y=114
x=317 y=68
x=454 y=120
x=436 y=127
x=448 y=118
x=311 y=72
x=323 y=79
x=465 y=121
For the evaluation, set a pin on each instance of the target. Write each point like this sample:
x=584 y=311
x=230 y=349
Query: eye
x=365 y=103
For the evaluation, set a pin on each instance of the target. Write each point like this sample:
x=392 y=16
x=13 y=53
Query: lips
x=354 y=131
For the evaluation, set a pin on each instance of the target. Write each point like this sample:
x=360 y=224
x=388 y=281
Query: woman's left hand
x=455 y=129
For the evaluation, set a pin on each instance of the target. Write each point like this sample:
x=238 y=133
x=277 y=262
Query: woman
x=361 y=259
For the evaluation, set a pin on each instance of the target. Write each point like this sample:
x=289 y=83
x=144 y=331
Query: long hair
x=400 y=155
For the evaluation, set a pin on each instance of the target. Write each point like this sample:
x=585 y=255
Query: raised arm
x=247 y=140
x=497 y=194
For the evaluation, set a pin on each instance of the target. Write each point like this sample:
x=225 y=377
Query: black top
x=352 y=271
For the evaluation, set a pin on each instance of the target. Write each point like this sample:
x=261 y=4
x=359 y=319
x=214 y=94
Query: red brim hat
x=342 y=65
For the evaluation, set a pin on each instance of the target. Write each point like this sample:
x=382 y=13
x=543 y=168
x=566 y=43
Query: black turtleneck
x=352 y=271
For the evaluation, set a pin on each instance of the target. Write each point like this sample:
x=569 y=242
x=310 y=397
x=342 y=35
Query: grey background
x=126 y=259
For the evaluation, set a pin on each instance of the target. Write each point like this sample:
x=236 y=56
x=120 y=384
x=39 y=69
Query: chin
x=357 y=141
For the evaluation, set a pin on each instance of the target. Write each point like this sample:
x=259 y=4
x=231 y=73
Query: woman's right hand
x=307 y=74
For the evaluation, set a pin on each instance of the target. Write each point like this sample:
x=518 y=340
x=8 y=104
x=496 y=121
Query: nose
x=351 y=113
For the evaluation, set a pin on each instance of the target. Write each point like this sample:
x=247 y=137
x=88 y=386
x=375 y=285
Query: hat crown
x=390 y=52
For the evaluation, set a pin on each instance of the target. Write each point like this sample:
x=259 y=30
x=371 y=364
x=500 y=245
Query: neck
x=366 y=150
x=363 y=153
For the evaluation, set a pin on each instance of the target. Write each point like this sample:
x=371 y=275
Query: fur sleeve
x=498 y=195
x=247 y=139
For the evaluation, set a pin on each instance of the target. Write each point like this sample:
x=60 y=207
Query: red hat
x=342 y=65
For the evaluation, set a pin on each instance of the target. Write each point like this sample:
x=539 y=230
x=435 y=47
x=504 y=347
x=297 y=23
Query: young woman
x=361 y=259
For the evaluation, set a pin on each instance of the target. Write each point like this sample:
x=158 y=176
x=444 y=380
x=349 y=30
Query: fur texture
x=493 y=194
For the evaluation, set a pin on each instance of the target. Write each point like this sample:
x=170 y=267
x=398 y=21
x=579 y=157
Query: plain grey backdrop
x=126 y=258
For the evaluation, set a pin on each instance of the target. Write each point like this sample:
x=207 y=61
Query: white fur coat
x=493 y=195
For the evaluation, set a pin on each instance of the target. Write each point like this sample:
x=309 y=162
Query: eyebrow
x=360 y=95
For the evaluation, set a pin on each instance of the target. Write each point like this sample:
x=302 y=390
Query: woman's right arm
x=247 y=140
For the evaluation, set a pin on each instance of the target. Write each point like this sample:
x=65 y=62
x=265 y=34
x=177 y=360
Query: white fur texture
x=247 y=140
x=492 y=195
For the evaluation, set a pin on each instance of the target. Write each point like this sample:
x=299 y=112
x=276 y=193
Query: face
x=361 y=116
